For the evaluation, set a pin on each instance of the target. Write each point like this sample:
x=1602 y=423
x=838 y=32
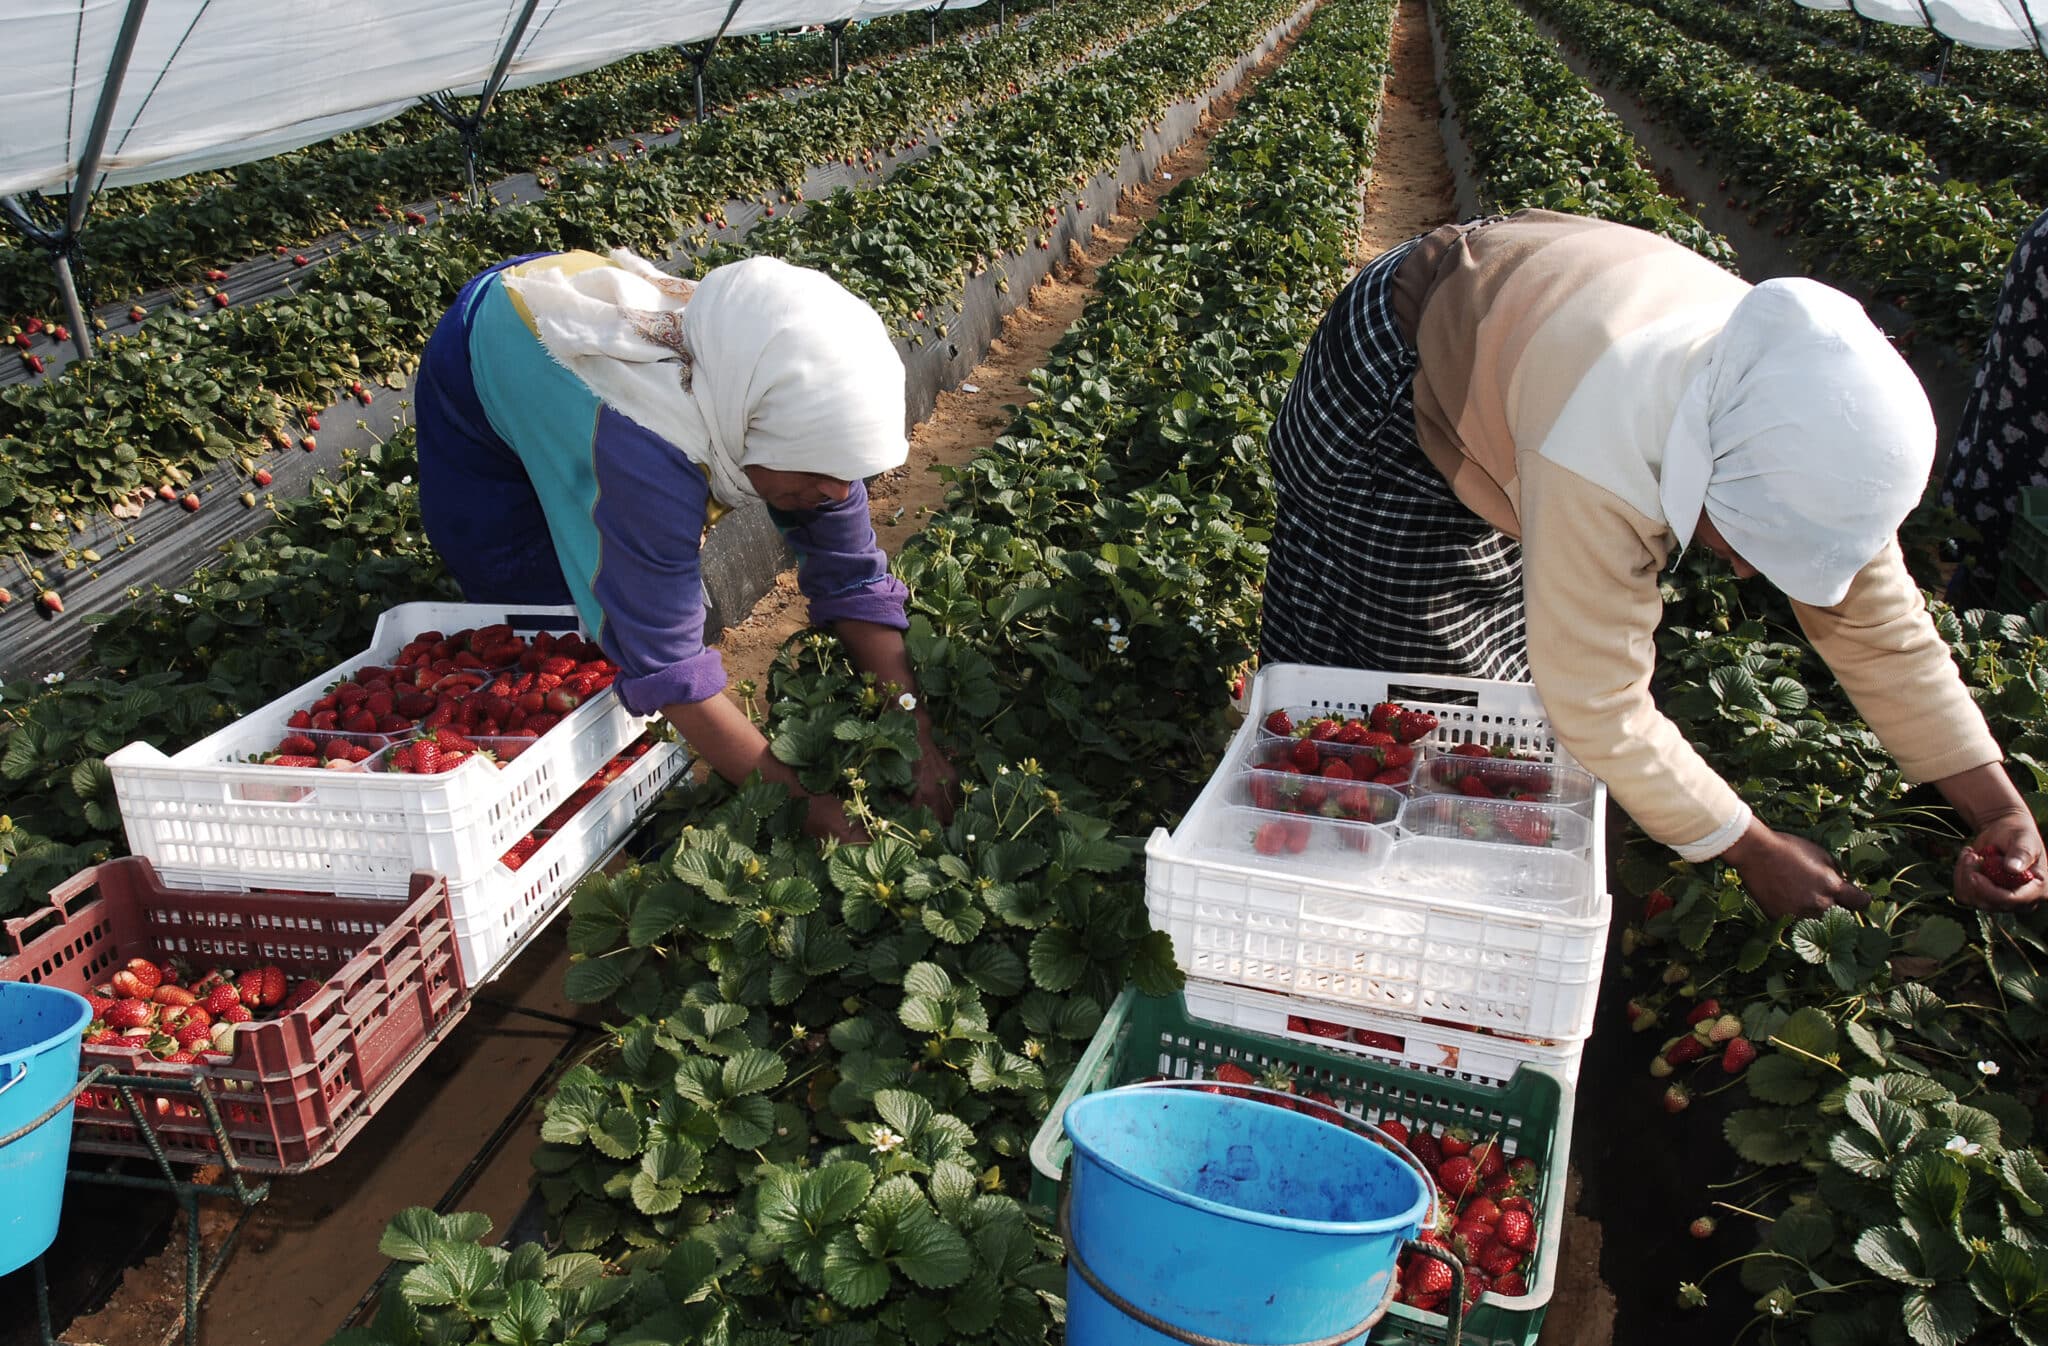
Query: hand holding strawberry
x=2002 y=869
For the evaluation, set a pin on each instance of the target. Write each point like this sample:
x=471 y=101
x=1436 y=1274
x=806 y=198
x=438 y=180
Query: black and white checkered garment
x=1374 y=562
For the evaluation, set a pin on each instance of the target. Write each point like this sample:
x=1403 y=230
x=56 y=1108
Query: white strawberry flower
x=52 y=679
x=907 y=701
x=1968 y=1149
x=886 y=1140
x=3 y=868
x=1118 y=644
x=1987 y=1068
x=183 y=600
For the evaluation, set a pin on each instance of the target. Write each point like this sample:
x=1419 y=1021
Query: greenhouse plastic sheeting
x=212 y=85
x=1994 y=25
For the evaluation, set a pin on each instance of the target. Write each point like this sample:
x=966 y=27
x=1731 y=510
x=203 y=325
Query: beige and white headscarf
x=1805 y=437
x=761 y=364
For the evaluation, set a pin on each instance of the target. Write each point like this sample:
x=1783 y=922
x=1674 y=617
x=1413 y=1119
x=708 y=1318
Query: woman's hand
x=2002 y=869
x=2006 y=838
x=825 y=820
x=1790 y=876
x=936 y=781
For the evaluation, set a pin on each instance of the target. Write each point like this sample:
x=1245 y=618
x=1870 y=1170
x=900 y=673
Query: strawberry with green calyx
x=1725 y=1029
x=1382 y=717
x=1456 y=1177
x=1412 y=726
x=1229 y=1072
x=1677 y=1098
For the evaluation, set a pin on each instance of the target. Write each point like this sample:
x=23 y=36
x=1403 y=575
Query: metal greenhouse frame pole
x=470 y=128
x=932 y=18
x=838 y=32
x=62 y=243
x=2033 y=32
x=700 y=59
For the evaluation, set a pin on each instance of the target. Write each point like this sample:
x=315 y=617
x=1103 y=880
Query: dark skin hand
x=1790 y=876
x=724 y=737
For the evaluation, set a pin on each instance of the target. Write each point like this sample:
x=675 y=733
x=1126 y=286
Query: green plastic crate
x=1143 y=1036
x=2025 y=579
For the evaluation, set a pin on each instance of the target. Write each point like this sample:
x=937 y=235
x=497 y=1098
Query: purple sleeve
x=839 y=565
x=649 y=515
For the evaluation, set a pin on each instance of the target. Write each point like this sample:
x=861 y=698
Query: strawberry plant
x=1541 y=139
x=1868 y=207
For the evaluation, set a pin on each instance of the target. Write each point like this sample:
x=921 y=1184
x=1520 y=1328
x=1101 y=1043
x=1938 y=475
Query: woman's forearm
x=720 y=732
x=1982 y=794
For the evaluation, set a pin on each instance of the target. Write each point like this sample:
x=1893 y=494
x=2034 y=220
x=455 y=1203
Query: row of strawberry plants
x=1884 y=1096
x=283 y=605
x=998 y=182
x=1975 y=140
x=191 y=390
x=1540 y=138
x=810 y=1121
x=2013 y=77
x=1865 y=206
x=144 y=238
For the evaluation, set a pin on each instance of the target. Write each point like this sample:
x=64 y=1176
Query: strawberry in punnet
x=1279 y=723
x=1382 y=717
x=1318 y=1028
x=1323 y=730
x=1737 y=1055
x=1337 y=769
x=1306 y=756
x=1414 y=725
x=138 y=979
x=1271 y=838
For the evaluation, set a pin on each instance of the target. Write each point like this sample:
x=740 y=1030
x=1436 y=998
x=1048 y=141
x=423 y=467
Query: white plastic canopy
x=198 y=84
x=1993 y=25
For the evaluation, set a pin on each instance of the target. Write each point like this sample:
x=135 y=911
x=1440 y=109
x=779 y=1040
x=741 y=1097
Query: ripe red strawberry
x=1386 y=1042
x=297 y=745
x=97 y=1034
x=1471 y=750
x=1516 y=1230
x=1271 y=838
x=1687 y=1048
x=139 y=978
x=1510 y=1286
x=1426 y=1276
x=1395 y=778
x=1306 y=755
x=1382 y=717
x=130 y=1012
x=1492 y=1163
x=1737 y=1054
x=1475 y=787
x=1351 y=731
x=236 y=1014
x=1455 y=1176
x=301 y=993
x=221 y=999
x=1277 y=723
x=193 y=1036
x=1322 y=729
x=1518 y=1201
x=1425 y=1147
x=181 y=1057
x=100 y=1003
x=522 y=851
x=1500 y=1259
x=1706 y=1009
x=1231 y=1073
x=1526 y=826
x=1337 y=769
x=1456 y=1140
x=1394 y=1131
x=1656 y=904
x=288 y=759
x=1991 y=864
x=1413 y=725
x=1482 y=1210
x=1317 y=1028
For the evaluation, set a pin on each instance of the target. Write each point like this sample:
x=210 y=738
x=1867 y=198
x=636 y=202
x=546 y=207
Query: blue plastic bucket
x=40 y=1030
x=1229 y=1218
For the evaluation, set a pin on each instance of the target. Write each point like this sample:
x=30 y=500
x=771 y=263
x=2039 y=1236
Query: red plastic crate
x=299 y=1086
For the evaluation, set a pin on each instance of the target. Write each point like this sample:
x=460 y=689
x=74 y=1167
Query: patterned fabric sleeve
x=2002 y=443
x=839 y=565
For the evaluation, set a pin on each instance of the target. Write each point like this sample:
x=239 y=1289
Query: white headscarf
x=762 y=364
x=1805 y=437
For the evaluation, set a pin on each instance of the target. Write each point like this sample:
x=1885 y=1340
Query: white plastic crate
x=1436 y=1049
x=497 y=914
x=208 y=820
x=1481 y=935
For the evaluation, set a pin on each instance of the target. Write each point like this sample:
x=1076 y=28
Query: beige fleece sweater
x=1553 y=351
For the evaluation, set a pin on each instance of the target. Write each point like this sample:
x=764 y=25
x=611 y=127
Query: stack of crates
x=211 y=817
x=1428 y=954
x=2024 y=581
